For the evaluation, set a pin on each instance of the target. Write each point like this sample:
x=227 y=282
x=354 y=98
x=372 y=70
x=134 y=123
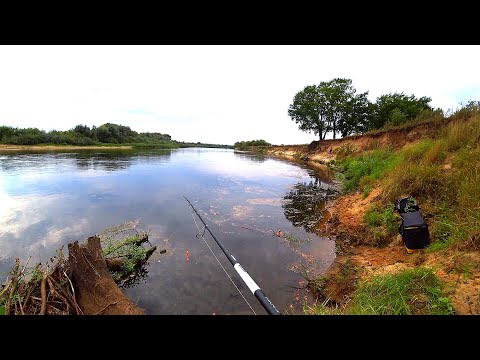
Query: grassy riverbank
x=6 y=148
x=437 y=162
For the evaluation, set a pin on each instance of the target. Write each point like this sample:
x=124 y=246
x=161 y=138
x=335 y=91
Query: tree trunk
x=324 y=134
x=95 y=289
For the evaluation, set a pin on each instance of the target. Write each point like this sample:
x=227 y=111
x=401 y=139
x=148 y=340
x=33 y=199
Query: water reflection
x=103 y=161
x=304 y=203
x=48 y=199
x=249 y=156
x=107 y=160
x=138 y=275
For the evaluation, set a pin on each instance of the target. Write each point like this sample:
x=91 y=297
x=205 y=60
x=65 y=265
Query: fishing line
x=247 y=279
x=202 y=236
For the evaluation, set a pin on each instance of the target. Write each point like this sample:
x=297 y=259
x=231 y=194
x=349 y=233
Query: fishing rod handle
x=255 y=289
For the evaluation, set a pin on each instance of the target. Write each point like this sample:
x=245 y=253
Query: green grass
x=441 y=231
x=322 y=309
x=426 y=117
x=443 y=171
x=415 y=179
x=360 y=172
x=165 y=145
x=455 y=193
x=443 y=174
x=462 y=134
x=317 y=285
x=426 y=151
x=345 y=151
x=382 y=223
x=410 y=292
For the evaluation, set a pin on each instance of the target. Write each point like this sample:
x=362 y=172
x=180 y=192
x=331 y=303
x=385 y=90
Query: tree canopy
x=335 y=107
x=80 y=135
x=398 y=108
x=331 y=106
x=244 y=145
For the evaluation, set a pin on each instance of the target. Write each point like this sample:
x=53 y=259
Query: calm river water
x=48 y=199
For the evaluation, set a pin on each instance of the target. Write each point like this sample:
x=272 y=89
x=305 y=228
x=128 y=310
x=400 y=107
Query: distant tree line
x=335 y=107
x=81 y=135
x=184 y=144
x=244 y=145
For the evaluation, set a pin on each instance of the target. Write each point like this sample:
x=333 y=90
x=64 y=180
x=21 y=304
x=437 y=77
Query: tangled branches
x=45 y=290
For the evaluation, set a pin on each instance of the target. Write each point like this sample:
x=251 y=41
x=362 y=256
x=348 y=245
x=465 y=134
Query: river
x=49 y=198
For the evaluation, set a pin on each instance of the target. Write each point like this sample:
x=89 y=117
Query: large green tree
x=397 y=108
x=308 y=111
x=346 y=111
x=357 y=116
x=331 y=106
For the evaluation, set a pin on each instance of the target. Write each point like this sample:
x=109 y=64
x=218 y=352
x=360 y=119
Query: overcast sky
x=215 y=94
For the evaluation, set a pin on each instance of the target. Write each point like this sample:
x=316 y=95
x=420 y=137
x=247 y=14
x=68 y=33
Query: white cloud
x=216 y=94
x=55 y=235
x=18 y=213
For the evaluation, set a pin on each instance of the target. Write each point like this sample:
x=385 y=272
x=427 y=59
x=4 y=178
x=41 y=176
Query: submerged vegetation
x=304 y=204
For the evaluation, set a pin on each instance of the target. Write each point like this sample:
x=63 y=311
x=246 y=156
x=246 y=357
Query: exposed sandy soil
x=358 y=258
x=324 y=151
x=458 y=271
x=4 y=147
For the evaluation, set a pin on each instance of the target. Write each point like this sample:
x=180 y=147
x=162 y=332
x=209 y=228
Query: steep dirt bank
x=459 y=271
x=326 y=150
x=360 y=256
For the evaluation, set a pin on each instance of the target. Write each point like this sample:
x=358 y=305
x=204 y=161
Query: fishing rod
x=247 y=279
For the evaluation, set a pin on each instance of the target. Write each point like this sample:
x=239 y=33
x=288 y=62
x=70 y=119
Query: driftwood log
x=96 y=291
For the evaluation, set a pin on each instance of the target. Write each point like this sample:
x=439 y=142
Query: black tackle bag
x=407 y=204
x=414 y=229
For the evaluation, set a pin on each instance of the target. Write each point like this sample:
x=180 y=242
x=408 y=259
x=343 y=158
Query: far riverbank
x=4 y=147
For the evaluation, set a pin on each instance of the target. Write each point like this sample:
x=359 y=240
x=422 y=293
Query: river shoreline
x=4 y=147
x=358 y=258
